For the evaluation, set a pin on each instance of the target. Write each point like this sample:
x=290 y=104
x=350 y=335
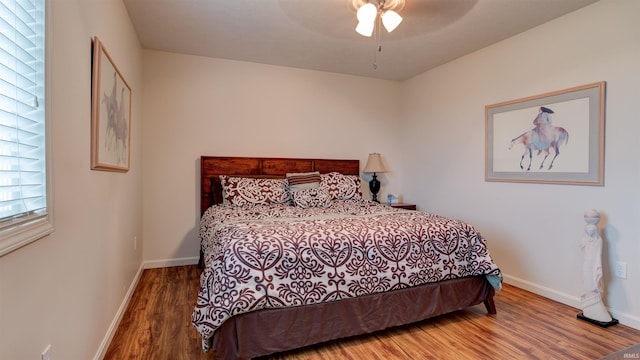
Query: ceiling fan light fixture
x=391 y=20
x=383 y=11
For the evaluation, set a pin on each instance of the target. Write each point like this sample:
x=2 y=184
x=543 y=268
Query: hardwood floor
x=157 y=325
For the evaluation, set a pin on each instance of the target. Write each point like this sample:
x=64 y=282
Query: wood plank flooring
x=157 y=325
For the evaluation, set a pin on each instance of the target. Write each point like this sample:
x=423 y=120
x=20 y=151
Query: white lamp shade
x=374 y=164
x=391 y=20
x=365 y=28
x=367 y=13
x=366 y=19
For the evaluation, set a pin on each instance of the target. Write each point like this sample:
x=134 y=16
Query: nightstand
x=404 y=206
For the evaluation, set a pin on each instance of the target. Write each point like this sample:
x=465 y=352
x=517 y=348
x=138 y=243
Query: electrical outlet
x=621 y=269
x=46 y=354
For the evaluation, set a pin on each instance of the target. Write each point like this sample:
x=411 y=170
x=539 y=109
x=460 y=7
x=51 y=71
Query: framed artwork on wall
x=110 y=113
x=556 y=138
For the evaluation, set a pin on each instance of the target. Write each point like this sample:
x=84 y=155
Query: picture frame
x=110 y=113
x=553 y=138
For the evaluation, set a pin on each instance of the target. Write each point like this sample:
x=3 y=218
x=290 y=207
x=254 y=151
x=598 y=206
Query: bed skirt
x=270 y=331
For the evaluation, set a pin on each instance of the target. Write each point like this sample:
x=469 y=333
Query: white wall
x=200 y=106
x=533 y=229
x=65 y=289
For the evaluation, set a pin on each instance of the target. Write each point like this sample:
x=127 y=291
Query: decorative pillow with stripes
x=301 y=181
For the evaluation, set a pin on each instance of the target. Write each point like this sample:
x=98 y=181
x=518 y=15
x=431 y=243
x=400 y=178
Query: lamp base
x=374 y=187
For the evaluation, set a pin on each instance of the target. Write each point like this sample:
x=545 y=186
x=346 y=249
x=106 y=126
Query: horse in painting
x=541 y=139
x=116 y=131
x=111 y=103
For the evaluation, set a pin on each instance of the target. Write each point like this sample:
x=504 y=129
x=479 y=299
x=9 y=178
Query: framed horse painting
x=110 y=114
x=557 y=138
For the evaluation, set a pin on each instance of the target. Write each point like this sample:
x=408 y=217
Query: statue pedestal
x=596 y=322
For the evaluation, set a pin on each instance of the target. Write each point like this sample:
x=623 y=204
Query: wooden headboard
x=213 y=166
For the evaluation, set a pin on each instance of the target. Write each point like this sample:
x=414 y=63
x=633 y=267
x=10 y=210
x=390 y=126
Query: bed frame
x=270 y=331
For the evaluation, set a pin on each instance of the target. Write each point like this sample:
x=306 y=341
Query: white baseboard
x=626 y=319
x=574 y=301
x=153 y=264
x=119 y=314
x=542 y=291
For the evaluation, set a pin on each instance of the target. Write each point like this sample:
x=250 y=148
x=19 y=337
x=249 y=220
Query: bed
x=285 y=269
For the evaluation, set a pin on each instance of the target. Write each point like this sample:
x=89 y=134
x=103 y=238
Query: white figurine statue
x=591 y=244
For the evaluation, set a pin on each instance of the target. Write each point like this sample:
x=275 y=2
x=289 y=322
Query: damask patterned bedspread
x=274 y=256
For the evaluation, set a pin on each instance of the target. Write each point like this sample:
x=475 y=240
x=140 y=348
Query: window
x=24 y=215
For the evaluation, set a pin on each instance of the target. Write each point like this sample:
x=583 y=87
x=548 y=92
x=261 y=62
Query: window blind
x=23 y=188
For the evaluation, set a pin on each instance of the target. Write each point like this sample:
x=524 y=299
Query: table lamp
x=374 y=165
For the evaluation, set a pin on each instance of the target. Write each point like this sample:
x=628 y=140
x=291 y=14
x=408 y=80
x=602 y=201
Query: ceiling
x=319 y=34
